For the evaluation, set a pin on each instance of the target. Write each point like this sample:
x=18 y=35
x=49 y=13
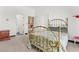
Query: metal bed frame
x=43 y=43
x=59 y=27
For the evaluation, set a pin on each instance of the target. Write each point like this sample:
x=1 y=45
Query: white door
x=20 y=24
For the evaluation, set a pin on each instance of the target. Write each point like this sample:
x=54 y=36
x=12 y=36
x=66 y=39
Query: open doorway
x=20 y=24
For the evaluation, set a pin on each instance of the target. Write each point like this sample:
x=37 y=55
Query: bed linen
x=64 y=39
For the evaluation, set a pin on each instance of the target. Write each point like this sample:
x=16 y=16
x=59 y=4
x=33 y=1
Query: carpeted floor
x=72 y=47
x=20 y=44
x=16 y=44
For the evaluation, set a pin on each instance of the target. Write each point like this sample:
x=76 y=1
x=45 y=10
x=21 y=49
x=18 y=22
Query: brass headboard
x=58 y=25
x=66 y=22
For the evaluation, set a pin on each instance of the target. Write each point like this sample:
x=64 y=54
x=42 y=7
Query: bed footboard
x=44 y=39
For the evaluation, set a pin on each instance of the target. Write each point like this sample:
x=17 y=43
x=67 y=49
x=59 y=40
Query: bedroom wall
x=10 y=14
x=43 y=13
x=73 y=22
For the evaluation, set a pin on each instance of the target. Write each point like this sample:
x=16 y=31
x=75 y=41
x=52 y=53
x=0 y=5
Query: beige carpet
x=16 y=44
x=20 y=44
x=72 y=47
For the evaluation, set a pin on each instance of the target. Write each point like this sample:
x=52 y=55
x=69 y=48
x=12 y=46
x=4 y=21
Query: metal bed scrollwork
x=44 y=39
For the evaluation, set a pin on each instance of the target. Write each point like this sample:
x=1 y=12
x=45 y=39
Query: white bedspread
x=64 y=39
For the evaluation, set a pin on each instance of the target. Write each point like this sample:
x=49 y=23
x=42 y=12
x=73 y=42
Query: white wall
x=73 y=22
x=43 y=13
x=10 y=13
